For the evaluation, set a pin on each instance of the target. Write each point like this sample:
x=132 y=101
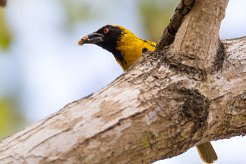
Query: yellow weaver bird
x=122 y=43
x=127 y=49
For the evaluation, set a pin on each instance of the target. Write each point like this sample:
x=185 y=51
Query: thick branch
x=168 y=102
x=143 y=116
x=197 y=41
x=170 y=31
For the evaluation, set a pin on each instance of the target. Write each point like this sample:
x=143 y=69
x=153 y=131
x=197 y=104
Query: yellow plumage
x=131 y=47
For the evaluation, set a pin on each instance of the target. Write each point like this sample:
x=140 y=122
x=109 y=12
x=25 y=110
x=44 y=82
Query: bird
x=122 y=43
x=127 y=48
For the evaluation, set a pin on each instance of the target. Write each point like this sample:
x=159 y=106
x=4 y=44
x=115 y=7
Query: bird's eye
x=106 y=30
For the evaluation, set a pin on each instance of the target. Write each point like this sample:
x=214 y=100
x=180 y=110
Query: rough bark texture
x=170 y=31
x=197 y=40
x=170 y=101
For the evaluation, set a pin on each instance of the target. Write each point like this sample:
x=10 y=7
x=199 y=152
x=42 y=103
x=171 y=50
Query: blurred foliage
x=3 y=2
x=155 y=15
x=76 y=11
x=10 y=119
x=5 y=35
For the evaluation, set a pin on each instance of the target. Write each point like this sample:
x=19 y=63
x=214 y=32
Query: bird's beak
x=92 y=38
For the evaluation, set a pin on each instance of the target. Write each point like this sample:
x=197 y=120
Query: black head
x=106 y=37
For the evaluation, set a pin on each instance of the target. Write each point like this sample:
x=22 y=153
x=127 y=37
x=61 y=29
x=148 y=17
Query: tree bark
x=190 y=91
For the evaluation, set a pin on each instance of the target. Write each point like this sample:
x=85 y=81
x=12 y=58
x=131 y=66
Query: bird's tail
x=207 y=152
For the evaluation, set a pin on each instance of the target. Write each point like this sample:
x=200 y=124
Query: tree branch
x=143 y=116
x=170 y=31
x=158 y=109
x=197 y=41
